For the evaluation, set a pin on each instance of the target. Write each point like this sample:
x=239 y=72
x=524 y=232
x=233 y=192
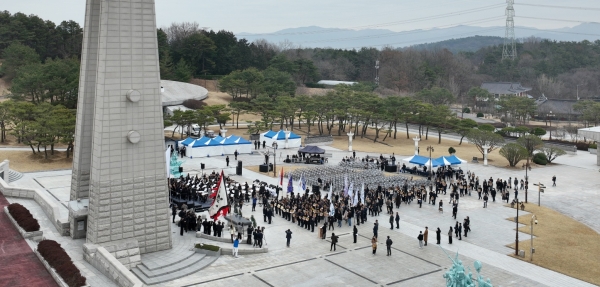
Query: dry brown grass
x=26 y=161
x=561 y=244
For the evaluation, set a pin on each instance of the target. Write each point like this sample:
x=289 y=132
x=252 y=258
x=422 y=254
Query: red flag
x=216 y=189
x=281 y=177
x=220 y=205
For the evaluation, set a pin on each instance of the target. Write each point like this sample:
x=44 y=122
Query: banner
x=281 y=177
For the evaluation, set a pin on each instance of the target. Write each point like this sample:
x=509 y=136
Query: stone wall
x=320 y=140
x=48 y=204
x=107 y=264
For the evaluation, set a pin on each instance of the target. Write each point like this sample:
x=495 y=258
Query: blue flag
x=290 y=184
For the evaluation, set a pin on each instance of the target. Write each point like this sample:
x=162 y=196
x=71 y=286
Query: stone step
x=14 y=175
x=195 y=258
x=207 y=260
x=162 y=263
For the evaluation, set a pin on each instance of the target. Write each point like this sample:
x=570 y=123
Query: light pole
x=517 y=229
x=540 y=190
x=578 y=92
x=550 y=125
x=274 y=145
x=429 y=149
x=533 y=219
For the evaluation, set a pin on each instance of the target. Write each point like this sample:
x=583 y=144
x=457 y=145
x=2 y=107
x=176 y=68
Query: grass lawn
x=561 y=244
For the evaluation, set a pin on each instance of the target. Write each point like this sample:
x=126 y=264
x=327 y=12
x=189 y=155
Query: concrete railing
x=108 y=265
x=48 y=204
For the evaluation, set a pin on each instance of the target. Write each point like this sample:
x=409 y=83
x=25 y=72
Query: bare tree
x=178 y=31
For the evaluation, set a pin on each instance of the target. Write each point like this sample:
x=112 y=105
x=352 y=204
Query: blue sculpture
x=175 y=164
x=457 y=276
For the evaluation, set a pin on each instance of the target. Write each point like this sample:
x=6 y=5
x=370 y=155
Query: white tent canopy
x=207 y=146
x=279 y=137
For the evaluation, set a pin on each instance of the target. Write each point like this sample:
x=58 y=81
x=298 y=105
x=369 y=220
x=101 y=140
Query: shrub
x=538 y=131
x=58 y=259
x=208 y=247
x=315 y=85
x=594 y=146
x=23 y=217
x=480 y=115
x=451 y=150
x=582 y=145
x=466 y=110
x=540 y=158
x=193 y=104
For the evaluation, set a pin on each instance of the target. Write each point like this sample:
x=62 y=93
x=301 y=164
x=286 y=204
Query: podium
x=391 y=168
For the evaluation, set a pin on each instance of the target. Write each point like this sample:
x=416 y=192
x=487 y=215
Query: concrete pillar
x=485 y=153
x=350 y=136
x=417 y=139
x=224 y=133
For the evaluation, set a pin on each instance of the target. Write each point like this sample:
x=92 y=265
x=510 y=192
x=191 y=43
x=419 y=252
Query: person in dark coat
x=355 y=233
x=397 y=221
x=391 y=221
x=334 y=240
x=288 y=236
x=438 y=235
x=388 y=244
x=450 y=236
x=174 y=211
x=227 y=161
x=375 y=228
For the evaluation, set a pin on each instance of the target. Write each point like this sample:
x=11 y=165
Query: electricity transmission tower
x=509 y=51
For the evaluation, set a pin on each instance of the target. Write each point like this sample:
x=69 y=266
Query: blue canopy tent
x=199 y=142
x=450 y=160
x=421 y=160
x=186 y=141
x=269 y=137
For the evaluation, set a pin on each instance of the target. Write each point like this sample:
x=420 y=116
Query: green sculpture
x=175 y=164
x=458 y=277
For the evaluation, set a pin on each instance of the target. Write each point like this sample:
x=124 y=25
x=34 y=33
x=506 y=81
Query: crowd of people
x=316 y=211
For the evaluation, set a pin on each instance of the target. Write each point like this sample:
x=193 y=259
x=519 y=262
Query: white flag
x=329 y=196
x=355 y=199
x=331 y=209
x=362 y=193
x=350 y=190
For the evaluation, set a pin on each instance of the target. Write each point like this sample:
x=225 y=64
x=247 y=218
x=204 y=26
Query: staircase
x=157 y=269
x=14 y=175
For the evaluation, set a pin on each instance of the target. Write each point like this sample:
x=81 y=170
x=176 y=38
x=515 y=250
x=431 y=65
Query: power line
x=429 y=39
x=434 y=17
x=560 y=7
x=552 y=19
x=553 y=31
x=425 y=30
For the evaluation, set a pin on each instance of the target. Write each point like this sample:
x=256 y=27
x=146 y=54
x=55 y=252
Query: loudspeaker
x=180 y=169
x=201 y=166
x=239 y=164
x=238 y=170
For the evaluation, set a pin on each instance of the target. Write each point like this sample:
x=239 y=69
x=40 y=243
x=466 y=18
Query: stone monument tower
x=119 y=158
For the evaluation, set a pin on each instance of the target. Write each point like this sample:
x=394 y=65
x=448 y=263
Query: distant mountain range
x=319 y=37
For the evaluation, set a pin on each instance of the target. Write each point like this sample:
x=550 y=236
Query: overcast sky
x=267 y=16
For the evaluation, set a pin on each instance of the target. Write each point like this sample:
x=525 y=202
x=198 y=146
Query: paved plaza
x=308 y=262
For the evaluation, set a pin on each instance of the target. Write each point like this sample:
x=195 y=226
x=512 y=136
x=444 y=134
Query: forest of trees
x=40 y=62
x=555 y=69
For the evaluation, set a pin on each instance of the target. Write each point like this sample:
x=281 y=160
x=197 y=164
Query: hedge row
x=58 y=259
x=23 y=217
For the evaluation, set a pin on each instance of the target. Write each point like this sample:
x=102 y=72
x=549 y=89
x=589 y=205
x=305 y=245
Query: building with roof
x=557 y=109
x=335 y=83
x=500 y=89
x=174 y=93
